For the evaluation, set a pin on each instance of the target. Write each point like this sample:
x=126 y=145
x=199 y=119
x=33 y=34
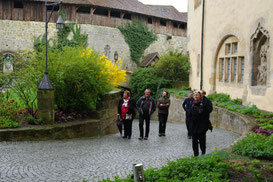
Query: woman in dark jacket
x=199 y=123
x=126 y=112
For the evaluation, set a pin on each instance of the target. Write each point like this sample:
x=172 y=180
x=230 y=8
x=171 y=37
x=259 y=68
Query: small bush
x=173 y=66
x=255 y=145
x=180 y=92
x=9 y=117
x=79 y=76
x=219 y=97
x=146 y=78
x=206 y=168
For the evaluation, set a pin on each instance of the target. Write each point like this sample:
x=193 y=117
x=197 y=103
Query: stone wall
x=102 y=124
x=220 y=117
x=19 y=35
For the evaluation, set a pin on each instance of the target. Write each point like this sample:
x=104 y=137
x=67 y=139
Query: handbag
x=129 y=116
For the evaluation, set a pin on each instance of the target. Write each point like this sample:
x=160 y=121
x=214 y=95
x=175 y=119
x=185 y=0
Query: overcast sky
x=180 y=5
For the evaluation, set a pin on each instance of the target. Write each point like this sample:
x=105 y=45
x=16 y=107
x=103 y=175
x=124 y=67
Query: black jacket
x=199 y=116
x=208 y=107
x=187 y=104
x=140 y=102
x=132 y=106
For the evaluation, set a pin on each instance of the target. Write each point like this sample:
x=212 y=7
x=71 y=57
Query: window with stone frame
x=7 y=62
x=231 y=62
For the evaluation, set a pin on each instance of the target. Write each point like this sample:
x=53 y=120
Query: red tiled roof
x=134 y=6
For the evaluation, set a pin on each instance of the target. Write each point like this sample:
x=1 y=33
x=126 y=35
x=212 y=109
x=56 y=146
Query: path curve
x=94 y=159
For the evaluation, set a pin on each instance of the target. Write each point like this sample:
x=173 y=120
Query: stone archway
x=259 y=48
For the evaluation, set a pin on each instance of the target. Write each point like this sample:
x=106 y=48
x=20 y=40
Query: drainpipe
x=202 y=45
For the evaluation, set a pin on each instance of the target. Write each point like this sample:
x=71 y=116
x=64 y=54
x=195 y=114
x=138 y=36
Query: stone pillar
x=46 y=106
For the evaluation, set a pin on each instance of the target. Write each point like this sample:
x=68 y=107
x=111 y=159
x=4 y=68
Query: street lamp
x=45 y=83
x=45 y=95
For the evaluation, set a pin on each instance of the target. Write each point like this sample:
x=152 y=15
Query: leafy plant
x=173 y=66
x=78 y=39
x=219 y=97
x=138 y=37
x=79 y=76
x=206 y=168
x=255 y=145
x=9 y=117
x=144 y=78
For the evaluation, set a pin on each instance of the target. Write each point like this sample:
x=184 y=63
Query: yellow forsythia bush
x=113 y=70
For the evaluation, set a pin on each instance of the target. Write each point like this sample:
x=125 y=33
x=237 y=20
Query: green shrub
x=9 y=117
x=173 y=66
x=255 y=145
x=237 y=101
x=146 y=78
x=74 y=75
x=219 y=97
x=180 y=92
x=206 y=168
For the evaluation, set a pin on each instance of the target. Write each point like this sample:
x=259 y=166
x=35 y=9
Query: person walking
x=199 y=123
x=187 y=107
x=126 y=111
x=146 y=107
x=163 y=105
x=207 y=102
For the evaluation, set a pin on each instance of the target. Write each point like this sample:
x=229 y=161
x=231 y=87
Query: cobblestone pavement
x=94 y=159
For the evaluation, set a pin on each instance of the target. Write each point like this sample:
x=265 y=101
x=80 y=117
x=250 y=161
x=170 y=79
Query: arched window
x=231 y=62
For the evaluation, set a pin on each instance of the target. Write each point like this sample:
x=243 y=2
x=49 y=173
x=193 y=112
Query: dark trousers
x=147 y=123
x=127 y=127
x=188 y=124
x=162 y=122
x=201 y=139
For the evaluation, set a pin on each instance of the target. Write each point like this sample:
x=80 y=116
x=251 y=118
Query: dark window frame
x=50 y=7
x=115 y=14
x=163 y=22
x=127 y=16
x=175 y=25
x=101 y=12
x=150 y=20
x=18 y=4
x=83 y=9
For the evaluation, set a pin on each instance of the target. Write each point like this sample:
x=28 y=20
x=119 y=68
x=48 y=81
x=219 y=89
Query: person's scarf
x=125 y=102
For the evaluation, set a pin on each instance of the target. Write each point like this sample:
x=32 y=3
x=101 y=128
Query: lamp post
x=45 y=89
x=45 y=83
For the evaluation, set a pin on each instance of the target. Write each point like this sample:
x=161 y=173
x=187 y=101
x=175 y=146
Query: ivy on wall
x=138 y=37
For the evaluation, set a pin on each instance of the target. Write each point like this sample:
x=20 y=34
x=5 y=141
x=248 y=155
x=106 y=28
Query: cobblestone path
x=94 y=159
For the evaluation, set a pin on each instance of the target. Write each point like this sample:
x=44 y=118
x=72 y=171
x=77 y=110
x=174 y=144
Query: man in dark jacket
x=163 y=105
x=146 y=107
x=199 y=114
x=187 y=107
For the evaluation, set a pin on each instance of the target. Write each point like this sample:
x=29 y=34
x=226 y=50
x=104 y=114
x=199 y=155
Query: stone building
x=237 y=49
x=21 y=20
